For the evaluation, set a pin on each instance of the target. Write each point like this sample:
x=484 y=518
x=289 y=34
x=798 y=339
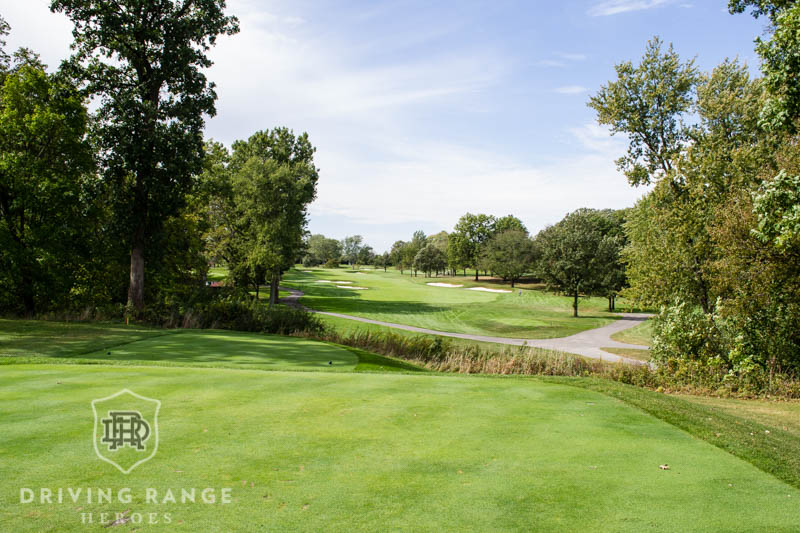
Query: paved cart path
x=586 y=343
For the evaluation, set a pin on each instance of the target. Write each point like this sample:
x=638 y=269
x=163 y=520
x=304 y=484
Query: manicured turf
x=62 y=339
x=641 y=334
x=391 y=297
x=354 y=452
x=269 y=352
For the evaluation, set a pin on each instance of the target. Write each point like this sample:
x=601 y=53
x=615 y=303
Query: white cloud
x=614 y=7
x=571 y=89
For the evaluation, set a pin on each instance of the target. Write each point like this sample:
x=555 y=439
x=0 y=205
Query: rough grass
x=310 y=451
x=404 y=300
x=641 y=334
x=632 y=353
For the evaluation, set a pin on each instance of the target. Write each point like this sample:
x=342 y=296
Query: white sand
x=486 y=289
x=356 y=288
x=343 y=282
x=443 y=285
x=323 y=281
x=307 y=271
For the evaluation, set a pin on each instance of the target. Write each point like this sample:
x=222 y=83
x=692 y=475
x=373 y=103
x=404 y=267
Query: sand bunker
x=342 y=282
x=443 y=285
x=307 y=271
x=355 y=288
x=323 y=281
x=486 y=289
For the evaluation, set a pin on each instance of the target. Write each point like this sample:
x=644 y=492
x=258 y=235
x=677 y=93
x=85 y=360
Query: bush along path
x=587 y=343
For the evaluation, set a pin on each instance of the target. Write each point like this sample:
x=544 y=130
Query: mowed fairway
x=390 y=297
x=315 y=451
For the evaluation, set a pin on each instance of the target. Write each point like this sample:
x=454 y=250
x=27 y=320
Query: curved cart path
x=586 y=343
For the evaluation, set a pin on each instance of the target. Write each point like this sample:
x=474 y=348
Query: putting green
x=248 y=350
x=309 y=451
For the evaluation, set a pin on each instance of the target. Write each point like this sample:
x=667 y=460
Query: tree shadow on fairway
x=253 y=351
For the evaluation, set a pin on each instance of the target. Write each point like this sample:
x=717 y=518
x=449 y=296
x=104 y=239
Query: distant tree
x=44 y=158
x=366 y=255
x=573 y=254
x=351 y=246
x=430 y=259
x=145 y=62
x=507 y=223
x=321 y=249
x=273 y=181
x=471 y=233
x=382 y=260
x=647 y=103
x=509 y=254
x=396 y=255
x=439 y=240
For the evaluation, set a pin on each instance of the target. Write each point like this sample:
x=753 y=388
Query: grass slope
x=314 y=451
x=641 y=334
x=399 y=299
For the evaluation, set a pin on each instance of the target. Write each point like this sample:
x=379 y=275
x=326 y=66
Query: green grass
x=631 y=353
x=641 y=334
x=405 y=300
x=29 y=340
x=308 y=451
x=269 y=352
x=61 y=339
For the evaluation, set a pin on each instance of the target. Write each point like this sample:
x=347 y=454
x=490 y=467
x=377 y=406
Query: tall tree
x=647 y=103
x=144 y=61
x=274 y=180
x=430 y=259
x=573 y=253
x=470 y=234
x=510 y=254
x=44 y=156
x=351 y=246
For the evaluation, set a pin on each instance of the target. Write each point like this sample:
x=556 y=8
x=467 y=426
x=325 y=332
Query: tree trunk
x=476 y=274
x=273 y=289
x=26 y=287
x=512 y=283
x=575 y=305
x=610 y=305
x=136 y=286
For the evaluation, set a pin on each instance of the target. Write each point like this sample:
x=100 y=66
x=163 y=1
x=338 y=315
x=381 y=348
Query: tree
x=396 y=255
x=351 y=246
x=573 y=254
x=430 y=259
x=509 y=222
x=321 y=250
x=145 y=62
x=44 y=158
x=366 y=255
x=647 y=103
x=382 y=260
x=471 y=233
x=510 y=254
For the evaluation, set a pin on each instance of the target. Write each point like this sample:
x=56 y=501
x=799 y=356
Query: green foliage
x=144 y=62
x=321 y=250
x=509 y=254
x=780 y=63
x=647 y=103
x=468 y=239
x=351 y=246
x=683 y=331
x=575 y=255
x=430 y=259
x=44 y=161
x=777 y=206
x=332 y=263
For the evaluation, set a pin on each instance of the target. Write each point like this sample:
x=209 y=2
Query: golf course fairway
x=316 y=451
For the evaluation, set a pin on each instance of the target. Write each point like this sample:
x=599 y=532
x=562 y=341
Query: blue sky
x=422 y=111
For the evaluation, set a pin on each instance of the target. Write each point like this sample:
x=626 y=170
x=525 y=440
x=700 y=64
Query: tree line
x=128 y=205
x=716 y=243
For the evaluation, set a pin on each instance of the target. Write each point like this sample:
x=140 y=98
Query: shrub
x=331 y=263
